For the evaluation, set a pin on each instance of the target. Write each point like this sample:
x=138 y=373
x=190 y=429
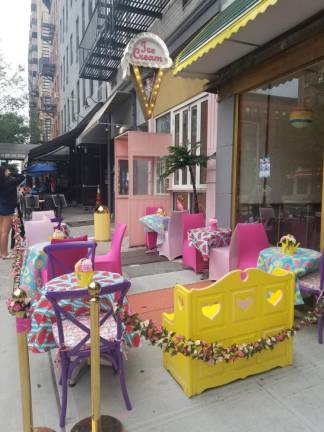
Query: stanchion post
x=22 y=327
x=96 y=423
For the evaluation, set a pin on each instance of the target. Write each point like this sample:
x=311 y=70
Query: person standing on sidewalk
x=8 y=203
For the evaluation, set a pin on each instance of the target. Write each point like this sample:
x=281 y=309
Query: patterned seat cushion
x=310 y=282
x=74 y=334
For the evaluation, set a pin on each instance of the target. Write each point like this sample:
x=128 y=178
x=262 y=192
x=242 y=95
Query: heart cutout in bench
x=274 y=297
x=244 y=304
x=211 y=311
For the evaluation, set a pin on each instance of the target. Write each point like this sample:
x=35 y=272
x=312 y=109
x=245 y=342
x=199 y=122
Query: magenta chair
x=191 y=257
x=313 y=284
x=151 y=237
x=111 y=261
x=247 y=241
x=62 y=257
x=72 y=335
x=172 y=246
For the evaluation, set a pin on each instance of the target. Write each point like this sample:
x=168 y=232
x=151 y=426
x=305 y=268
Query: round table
x=156 y=223
x=205 y=237
x=302 y=262
x=31 y=271
x=40 y=337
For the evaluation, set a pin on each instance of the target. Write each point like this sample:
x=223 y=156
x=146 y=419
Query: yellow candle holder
x=289 y=249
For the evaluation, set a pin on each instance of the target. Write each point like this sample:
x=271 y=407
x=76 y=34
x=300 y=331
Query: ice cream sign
x=145 y=58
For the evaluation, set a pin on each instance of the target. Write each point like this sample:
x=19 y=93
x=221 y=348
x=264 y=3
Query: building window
x=33 y=7
x=67 y=15
x=64 y=71
x=161 y=185
x=34 y=35
x=63 y=30
x=91 y=87
x=163 y=123
x=64 y=118
x=84 y=95
x=61 y=76
x=83 y=17
x=185 y=3
x=71 y=49
x=78 y=96
x=61 y=36
x=61 y=122
x=77 y=39
x=68 y=113
x=123 y=180
x=90 y=8
x=72 y=106
x=67 y=65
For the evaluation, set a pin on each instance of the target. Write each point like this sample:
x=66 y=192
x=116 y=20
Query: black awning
x=65 y=140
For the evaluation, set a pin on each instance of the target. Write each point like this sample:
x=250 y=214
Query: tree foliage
x=13 y=128
x=181 y=157
x=13 y=102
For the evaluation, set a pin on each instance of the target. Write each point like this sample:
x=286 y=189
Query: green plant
x=181 y=157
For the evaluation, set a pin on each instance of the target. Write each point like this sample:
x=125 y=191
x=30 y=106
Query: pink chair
x=247 y=241
x=172 y=245
x=151 y=237
x=191 y=256
x=38 y=231
x=111 y=261
x=49 y=214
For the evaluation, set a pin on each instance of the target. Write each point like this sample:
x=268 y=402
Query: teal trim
x=217 y=25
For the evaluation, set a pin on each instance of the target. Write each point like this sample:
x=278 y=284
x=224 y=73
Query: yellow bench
x=231 y=311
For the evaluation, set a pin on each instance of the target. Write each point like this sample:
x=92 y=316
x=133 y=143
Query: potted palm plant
x=181 y=157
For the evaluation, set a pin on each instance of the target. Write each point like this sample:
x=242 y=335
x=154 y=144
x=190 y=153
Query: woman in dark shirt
x=8 y=203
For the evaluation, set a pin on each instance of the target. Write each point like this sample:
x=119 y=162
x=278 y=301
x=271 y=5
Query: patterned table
x=203 y=238
x=302 y=262
x=40 y=338
x=31 y=272
x=156 y=223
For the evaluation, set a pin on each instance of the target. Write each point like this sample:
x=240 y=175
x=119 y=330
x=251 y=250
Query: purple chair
x=38 y=231
x=62 y=256
x=111 y=261
x=172 y=245
x=72 y=335
x=151 y=237
x=191 y=257
x=313 y=284
x=247 y=241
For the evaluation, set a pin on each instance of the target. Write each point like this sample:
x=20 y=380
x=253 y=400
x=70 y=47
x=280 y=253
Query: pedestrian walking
x=8 y=202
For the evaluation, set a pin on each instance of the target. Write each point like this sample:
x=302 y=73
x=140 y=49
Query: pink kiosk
x=137 y=181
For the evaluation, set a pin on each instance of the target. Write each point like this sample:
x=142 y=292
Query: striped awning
x=239 y=29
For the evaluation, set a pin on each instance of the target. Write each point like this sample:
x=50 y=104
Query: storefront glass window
x=203 y=138
x=142 y=176
x=123 y=177
x=281 y=146
x=161 y=185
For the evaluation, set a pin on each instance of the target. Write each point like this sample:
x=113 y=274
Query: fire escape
x=112 y=25
x=47 y=69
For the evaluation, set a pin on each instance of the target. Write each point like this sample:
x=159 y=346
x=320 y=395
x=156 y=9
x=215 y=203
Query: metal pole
x=22 y=328
x=96 y=423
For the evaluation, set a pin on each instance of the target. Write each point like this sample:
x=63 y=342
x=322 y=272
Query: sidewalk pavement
x=281 y=400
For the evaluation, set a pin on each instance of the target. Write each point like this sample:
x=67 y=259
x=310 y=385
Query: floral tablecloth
x=205 y=237
x=302 y=262
x=40 y=337
x=31 y=272
x=156 y=223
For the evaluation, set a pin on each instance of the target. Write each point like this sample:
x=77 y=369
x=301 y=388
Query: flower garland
x=19 y=301
x=169 y=342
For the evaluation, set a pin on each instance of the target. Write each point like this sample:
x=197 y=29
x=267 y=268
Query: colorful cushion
x=310 y=282
x=74 y=334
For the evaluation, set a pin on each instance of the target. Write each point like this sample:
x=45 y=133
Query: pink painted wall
x=130 y=208
x=211 y=148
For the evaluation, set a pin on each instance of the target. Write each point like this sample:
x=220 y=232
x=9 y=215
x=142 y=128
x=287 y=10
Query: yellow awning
x=222 y=27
